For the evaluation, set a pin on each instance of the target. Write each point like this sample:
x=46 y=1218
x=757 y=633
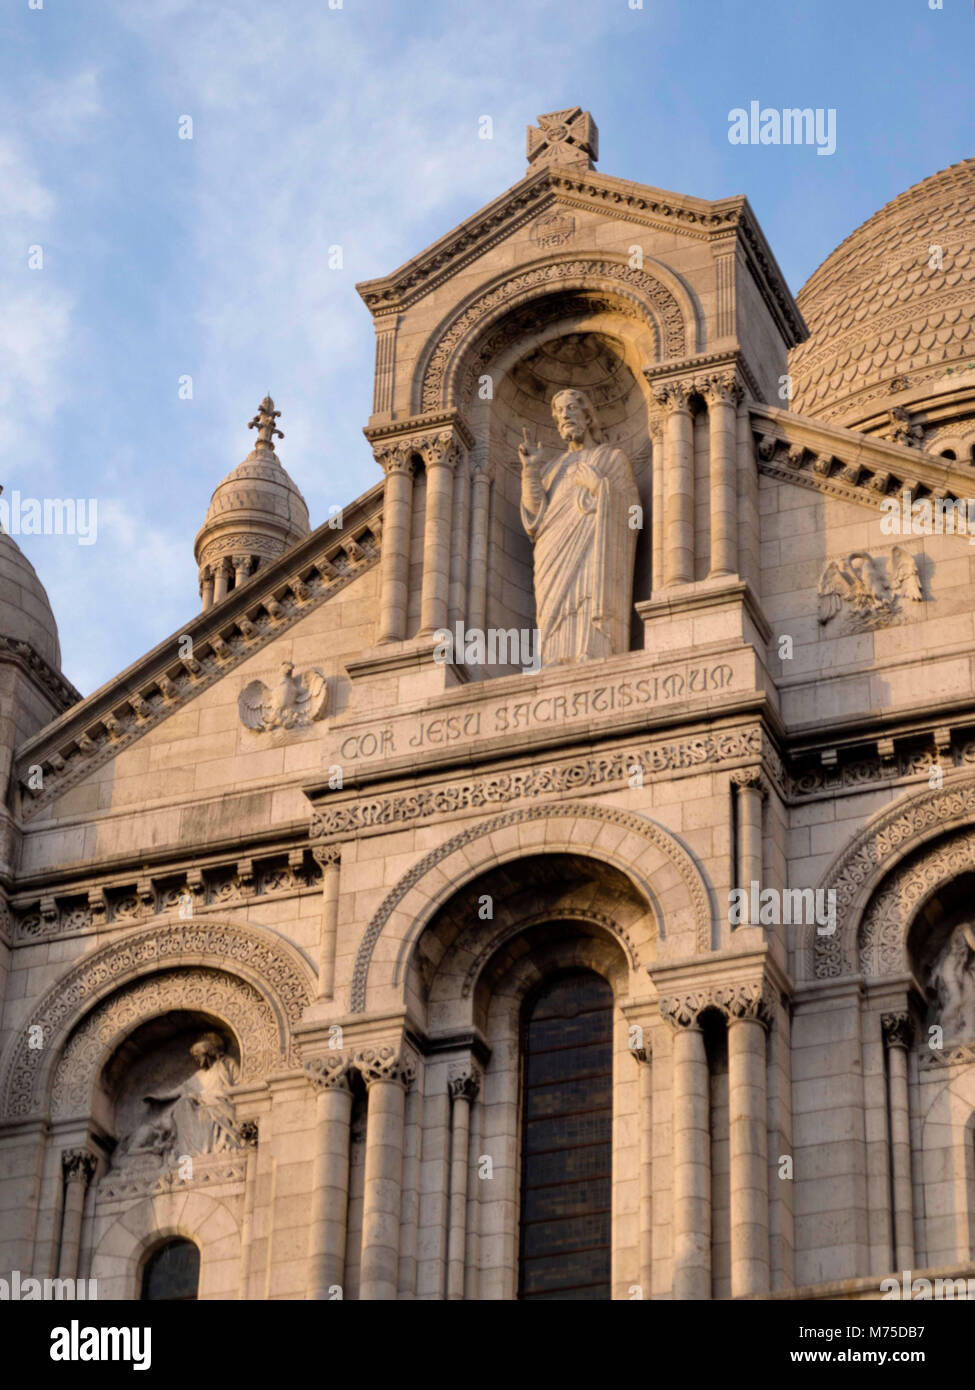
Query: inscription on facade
x=514 y=716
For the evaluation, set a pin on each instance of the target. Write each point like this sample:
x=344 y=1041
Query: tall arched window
x=172 y=1272
x=567 y=1123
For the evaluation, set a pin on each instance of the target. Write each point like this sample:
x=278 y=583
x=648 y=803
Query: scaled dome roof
x=25 y=610
x=882 y=317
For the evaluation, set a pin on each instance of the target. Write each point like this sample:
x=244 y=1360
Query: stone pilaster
x=748 y=1009
x=678 y=483
x=397 y=462
x=752 y=791
x=480 y=531
x=722 y=394
x=329 y=858
x=440 y=454
x=463 y=1084
x=692 y=1148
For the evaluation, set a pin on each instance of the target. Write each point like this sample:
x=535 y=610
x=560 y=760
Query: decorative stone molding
x=331 y=1071
x=914 y=756
x=754 y=1000
x=238 y=1003
x=463 y=1081
x=386 y=1062
x=78 y=1165
x=61 y=692
x=649 y=295
x=875 y=852
x=271 y=966
x=223 y=639
x=597 y=771
x=168 y=892
x=648 y=831
x=897 y=1029
x=481 y=950
x=145 y=1180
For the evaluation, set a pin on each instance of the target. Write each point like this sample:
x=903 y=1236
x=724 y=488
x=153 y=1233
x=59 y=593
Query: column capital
x=674 y=395
x=386 y=1062
x=683 y=1010
x=394 y=457
x=78 y=1165
x=327 y=856
x=331 y=1071
x=463 y=1081
x=898 y=1029
x=740 y=1000
x=249 y=1134
x=720 y=387
x=751 y=779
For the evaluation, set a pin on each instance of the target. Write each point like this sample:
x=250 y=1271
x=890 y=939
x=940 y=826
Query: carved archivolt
x=209 y=991
x=273 y=968
x=656 y=840
x=881 y=845
x=655 y=300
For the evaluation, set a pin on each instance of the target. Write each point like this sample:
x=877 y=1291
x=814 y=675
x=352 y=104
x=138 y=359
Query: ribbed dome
x=254 y=515
x=25 y=611
x=882 y=318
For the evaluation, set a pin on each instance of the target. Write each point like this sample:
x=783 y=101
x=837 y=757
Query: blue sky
x=356 y=126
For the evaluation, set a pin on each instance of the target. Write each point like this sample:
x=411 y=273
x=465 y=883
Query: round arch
x=886 y=840
x=124 y=1243
x=273 y=969
x=652 y=293
x=659 y=866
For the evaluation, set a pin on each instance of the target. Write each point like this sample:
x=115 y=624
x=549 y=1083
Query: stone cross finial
x=566 y=139
x=263 y=422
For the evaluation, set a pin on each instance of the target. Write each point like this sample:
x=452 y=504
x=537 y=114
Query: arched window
x=172 y=1272
x=566 y=1156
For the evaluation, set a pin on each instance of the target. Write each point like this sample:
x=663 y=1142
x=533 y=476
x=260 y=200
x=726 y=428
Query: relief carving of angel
x=294 y=702
x=953 y=981
x=858 y=584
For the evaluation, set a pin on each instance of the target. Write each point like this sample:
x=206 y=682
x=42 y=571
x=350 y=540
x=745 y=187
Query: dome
x=25 y=612
x=890 y=311
x=254 y=515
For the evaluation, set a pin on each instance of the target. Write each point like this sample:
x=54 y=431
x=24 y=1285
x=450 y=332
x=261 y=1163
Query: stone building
x=550 y=878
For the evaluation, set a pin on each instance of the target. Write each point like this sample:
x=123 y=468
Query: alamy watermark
x=907 y=515
x=21 y=1289
x=498 y=646
x=789 y=907
x=793 y=125
x=50 y=516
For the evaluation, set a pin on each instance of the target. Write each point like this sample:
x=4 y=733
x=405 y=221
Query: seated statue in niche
x=198 y=1115
x=581 y=510
x=953 y=980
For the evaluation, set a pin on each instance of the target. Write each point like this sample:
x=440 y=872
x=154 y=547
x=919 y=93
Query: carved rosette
x=463 y=1081
x=332 y=1071
x=78 y=1165
x=386 y=1063
x=898 y=1029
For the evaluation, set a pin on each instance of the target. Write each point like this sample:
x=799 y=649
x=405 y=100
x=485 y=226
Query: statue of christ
x=578 y=511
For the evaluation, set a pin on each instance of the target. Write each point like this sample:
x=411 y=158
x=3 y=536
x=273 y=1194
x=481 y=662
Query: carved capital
x=394 y=458
x=78 y=1165
x=249 y=1134
x=754 y=1001
x=386 y=1063
x=331 y=1071
x=898 y=1029
x=751 y=779
x=327 y=856
x=438 y=450
x=463 y=1081
x=683 y=1010
x=674 y=395
x=721 y=388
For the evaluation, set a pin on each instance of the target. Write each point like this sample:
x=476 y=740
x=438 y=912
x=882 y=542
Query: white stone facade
x=361 y=892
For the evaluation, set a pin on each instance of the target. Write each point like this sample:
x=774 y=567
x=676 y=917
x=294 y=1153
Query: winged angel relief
x=858 y=588
x=294 y=702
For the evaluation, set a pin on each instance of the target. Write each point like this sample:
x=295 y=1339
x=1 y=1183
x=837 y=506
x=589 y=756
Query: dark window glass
x=567 y=1154
x=172 y=1272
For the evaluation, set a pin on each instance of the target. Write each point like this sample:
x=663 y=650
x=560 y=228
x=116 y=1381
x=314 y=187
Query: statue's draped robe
x=584 y=553
x=203 y=1116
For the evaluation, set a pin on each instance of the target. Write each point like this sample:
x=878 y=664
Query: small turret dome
x=255 y=514
x=25 y=610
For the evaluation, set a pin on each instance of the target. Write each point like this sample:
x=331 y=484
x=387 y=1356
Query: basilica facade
x=548 y=878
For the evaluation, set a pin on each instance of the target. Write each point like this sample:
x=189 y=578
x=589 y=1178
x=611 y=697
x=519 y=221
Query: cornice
x=587 y=190
x=52 y=682
x=846 y=464
x=427 y=423
x=222 y=637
